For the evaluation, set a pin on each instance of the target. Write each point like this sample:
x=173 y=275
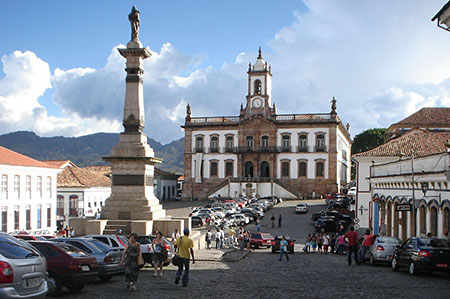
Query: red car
x=29 y=237
x=260 y=240
x=67 y=266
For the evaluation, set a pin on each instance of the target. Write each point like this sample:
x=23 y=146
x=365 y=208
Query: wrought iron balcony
x=320 y=148
x=198 y=150
x=303 y=149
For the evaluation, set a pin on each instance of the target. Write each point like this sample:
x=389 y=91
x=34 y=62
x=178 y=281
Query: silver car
x=382 y=249
x=22 y=270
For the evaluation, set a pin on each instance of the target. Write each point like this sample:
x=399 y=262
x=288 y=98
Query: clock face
x=257 y=103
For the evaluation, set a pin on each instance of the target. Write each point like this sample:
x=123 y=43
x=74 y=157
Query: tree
x=368 y=140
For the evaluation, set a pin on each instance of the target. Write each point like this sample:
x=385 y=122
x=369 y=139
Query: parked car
x=238 y=219
x=108 y=260
x=251 y=213
x=345 y=218
x=261 y=239
x=352 y=192
x=114 y=241
x=382 y=250
x=147 y=250
x=276 y=244
x=301 y=207
x=418 y=254
x=327 y=224
x=29 y=237
x=67 y=266
x=22 y=269
x=197 y=221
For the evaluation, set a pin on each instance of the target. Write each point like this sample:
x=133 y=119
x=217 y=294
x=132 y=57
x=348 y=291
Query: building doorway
x=433 y=221
x=446 y=220
x=423 y=222
x=389 y=219
x=249 y=169
x=265 y=170
x=404 y=222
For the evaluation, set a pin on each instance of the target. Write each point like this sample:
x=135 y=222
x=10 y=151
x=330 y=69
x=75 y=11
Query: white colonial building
x=261 y=152
x=27 y=194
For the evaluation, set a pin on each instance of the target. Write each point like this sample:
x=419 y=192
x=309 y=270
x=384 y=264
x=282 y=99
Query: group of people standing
x=321 y=243
x=133 y=262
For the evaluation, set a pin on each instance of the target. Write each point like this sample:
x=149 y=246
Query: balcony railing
x=213 y=149
x=322 y=148
x=198 y=150
x=302 y=149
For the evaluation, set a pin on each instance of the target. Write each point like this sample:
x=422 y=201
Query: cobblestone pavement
x=261 y=275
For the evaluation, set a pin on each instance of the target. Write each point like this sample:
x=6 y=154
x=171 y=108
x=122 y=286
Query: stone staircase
x=112 y=226
x=287 y=187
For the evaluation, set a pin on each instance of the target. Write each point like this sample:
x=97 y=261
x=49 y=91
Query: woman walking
x=130 y=258
x=158 y=253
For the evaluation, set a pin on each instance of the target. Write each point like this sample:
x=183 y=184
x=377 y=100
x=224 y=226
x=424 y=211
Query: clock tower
x=259 y=97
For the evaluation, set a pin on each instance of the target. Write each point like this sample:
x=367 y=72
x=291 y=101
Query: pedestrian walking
x=273 y=220
x=158 y=254
x=314 y=242
x=326 y=243
x=258 y=225
x=222 y=238
x=72 y=232
x=217 y=237
x=247 y=239
x=307 y=244
x=352 y=239
x=283 y=249
x=208 y=238
x=241 y=238
x=319 y=243
x=332 y=243
x=366 y=243
x=185 y=247
x=280 y=218
x=341 y=244
x=130 y=258
x=175 y=235
x=231 y=235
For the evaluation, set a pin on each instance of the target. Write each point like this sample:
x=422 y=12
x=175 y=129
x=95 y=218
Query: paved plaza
x=261 y=275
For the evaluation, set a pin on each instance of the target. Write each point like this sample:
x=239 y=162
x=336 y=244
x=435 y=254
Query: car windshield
x=389 y=240
x=123 y=239
x=100 y=245
x=145 y=239
x=266 y=236
x=256 y=236
x=72 y=250
x=16 y=251
x=437 y=243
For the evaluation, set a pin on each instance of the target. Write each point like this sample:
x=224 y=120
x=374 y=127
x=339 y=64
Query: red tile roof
x=9 y=157
x=78 y=177
x=416 y=142
x=427 y=117
x=59 y=163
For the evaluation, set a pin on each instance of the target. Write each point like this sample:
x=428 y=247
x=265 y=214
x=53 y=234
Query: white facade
x=28 y=198
x=74 y=202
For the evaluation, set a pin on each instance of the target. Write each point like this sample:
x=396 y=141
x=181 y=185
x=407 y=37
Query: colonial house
x=27 y=194
x=260 y=152
x=402 y=185
x=165 y=185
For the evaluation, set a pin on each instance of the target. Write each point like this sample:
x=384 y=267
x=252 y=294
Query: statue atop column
x=133 y=17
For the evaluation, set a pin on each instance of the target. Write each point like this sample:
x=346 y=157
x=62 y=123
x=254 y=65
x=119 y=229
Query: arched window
x=285 y=169
x=320 y=167
x=286 y=143
x=249 y=142
x=320 y=143
x=303 y=143
x=265 y=142
x=214 y=144
x=213 y=169
x=257 y=85
x=229 y=144
x=199 y=144
x=265 y=169
x=302 y=169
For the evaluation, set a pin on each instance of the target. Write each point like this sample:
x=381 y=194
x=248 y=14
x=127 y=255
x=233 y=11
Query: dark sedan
x=328 y=224
x=276 y=244
x=67 y=266
x=427 y=254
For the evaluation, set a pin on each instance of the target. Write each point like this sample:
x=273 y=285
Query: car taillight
x=74 y=267
x=424 y=253
x=108 y=259
x=273 y=242
x=6 y=273
x=379 y=248
x=167 y=247
x=291 y=243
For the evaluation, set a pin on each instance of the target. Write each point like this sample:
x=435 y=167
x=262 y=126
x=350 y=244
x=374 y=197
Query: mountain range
x=87 y=150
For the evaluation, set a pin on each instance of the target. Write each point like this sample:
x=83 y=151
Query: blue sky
x=62 y=75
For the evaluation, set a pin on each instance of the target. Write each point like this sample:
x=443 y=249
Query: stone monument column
x=132 y=159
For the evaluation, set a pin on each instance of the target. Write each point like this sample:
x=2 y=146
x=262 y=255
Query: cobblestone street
x=261 y=275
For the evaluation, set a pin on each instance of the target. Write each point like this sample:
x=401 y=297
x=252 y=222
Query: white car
x=301 y=207
x=239 y=219
x=352 y=192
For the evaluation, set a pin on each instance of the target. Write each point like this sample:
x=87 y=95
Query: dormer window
x=257 y=86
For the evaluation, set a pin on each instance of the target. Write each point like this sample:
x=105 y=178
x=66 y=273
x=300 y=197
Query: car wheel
x=242 y=223
x=274 y=251
x=372 y=260
x=54 y=285
x=75 y=288
x=105 y=277
x=394 y=264
x=412 y=268
x=291 y=251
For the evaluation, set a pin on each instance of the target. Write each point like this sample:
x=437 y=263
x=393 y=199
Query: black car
x=276 y=244
x=345 y=218
x=252 y=213
x=417 y=254
x=197 y=221
x=328 y=224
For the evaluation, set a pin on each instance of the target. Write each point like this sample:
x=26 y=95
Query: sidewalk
x=220 y=255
